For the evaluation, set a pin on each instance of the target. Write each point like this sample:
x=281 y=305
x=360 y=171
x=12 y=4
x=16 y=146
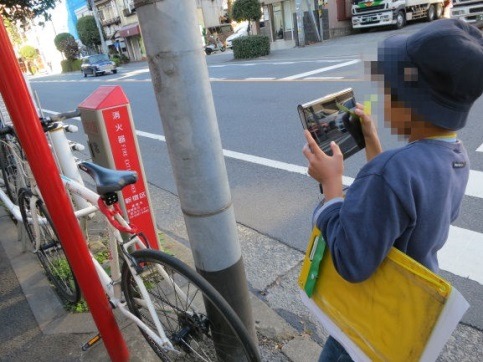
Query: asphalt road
x=262 y=137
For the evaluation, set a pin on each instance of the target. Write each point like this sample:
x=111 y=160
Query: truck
x=470 y=11
x=371 y=13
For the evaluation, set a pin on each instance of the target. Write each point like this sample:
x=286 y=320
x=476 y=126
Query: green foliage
x=65 y=43
x=62 y=269
x=246 y=10
x=60 y=39
x=119 y=59
x=23 y=10
x=28 y=52
x=252 y=46
x=102 y=256
x=80 y=307
x=29 y=55
x=164 y=245
x=12 y=30
x=88 y=31
x=71 y=65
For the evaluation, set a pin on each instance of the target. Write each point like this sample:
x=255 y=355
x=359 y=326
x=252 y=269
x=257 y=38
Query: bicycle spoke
x=47 y=247
x=179 y=296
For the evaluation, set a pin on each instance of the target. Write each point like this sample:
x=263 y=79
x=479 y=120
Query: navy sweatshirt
x=405 y=198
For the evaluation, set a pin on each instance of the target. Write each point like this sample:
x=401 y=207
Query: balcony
x=111 y=21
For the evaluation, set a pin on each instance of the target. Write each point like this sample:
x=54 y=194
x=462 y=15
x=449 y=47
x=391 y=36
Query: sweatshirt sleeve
x=360 y=231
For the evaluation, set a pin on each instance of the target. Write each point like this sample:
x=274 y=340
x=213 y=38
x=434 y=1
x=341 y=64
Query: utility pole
x=312 y=17
x=183 y=92
x=99 y=26
x=300 y=22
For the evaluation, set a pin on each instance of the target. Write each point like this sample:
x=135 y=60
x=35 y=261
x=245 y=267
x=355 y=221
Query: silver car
x=97 y=64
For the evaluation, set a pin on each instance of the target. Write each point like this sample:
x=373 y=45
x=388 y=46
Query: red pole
x=29 y=131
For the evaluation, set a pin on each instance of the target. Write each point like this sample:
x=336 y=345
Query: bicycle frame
x=111 y=283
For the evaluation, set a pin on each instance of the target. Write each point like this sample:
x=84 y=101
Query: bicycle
x=178 y=312
x=181 y=316
x=42 y=236
x=37 y=224
x=10 y=154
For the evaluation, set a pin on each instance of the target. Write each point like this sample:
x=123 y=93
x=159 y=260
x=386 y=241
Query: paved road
x=261 y=134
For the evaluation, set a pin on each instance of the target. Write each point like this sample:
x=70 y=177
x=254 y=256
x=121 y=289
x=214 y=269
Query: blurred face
x=396 y=115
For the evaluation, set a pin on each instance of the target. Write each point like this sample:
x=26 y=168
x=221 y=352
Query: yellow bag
x=403 y=312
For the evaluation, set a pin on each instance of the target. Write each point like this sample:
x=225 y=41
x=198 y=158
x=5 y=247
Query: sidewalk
x=286 y=330
x=278 y=340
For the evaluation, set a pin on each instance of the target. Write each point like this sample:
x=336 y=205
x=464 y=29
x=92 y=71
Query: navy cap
x=437 y=71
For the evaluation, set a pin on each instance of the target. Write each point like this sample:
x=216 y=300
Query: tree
x=29 y=55
x=247 y=10
x=88 y=31
x=13 y=33
x=66 y=44
x=23 y=10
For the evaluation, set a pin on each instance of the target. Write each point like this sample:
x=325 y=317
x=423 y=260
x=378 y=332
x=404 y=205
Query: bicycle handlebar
x=63 y=116
x=49 y=123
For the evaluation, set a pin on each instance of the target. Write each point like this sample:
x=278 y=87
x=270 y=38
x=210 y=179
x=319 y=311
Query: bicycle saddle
x=107 y=180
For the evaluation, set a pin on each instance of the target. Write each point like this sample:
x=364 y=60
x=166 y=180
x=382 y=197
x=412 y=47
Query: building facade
x=330 y=18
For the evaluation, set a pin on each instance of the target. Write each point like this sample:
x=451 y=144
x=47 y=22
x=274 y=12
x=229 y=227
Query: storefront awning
x=129 y=30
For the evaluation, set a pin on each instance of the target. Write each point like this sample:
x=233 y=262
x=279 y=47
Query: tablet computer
x=331 y=118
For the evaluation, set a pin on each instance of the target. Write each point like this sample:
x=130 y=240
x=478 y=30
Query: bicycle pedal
x=91 y=342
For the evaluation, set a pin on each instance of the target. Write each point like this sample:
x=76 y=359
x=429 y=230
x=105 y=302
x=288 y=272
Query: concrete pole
x=183 y=92
x=99 y=27
x=300 y=22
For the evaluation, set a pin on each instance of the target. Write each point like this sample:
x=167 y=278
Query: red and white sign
x=111 y=108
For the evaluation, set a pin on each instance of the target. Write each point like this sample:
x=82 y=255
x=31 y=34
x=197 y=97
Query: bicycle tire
x=190 y=333
x=50 y=251
x=9 y=166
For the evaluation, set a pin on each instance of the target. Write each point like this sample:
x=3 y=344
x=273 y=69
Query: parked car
x=240 y=30
x=97 y=64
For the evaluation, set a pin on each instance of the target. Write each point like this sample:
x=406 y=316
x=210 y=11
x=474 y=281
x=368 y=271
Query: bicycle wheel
x=198 y=333
x=10 y=167
x=49 y=250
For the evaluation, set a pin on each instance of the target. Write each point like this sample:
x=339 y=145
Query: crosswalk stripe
x=475 y=184
x=461 y=255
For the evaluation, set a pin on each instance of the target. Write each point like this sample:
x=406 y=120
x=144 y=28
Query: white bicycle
x=179 y=313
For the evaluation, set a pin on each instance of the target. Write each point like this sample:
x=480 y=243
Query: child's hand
x=369 y=130
x=327 y=170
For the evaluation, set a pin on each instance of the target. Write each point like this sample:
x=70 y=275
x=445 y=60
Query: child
x=407 y=197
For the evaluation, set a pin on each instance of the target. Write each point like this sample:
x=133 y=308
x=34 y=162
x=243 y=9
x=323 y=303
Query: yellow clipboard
x=403 y=312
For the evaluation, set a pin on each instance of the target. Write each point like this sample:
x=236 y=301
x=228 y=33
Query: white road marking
x=323 y=78
x=253 y=159
x=475 y=184
x=461 y=255
x=321 y=70
x=260 y=78
x=480 y=149
x=130 y=74
x=474 y=188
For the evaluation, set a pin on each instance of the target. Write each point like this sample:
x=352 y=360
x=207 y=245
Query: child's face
x=396 y=115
